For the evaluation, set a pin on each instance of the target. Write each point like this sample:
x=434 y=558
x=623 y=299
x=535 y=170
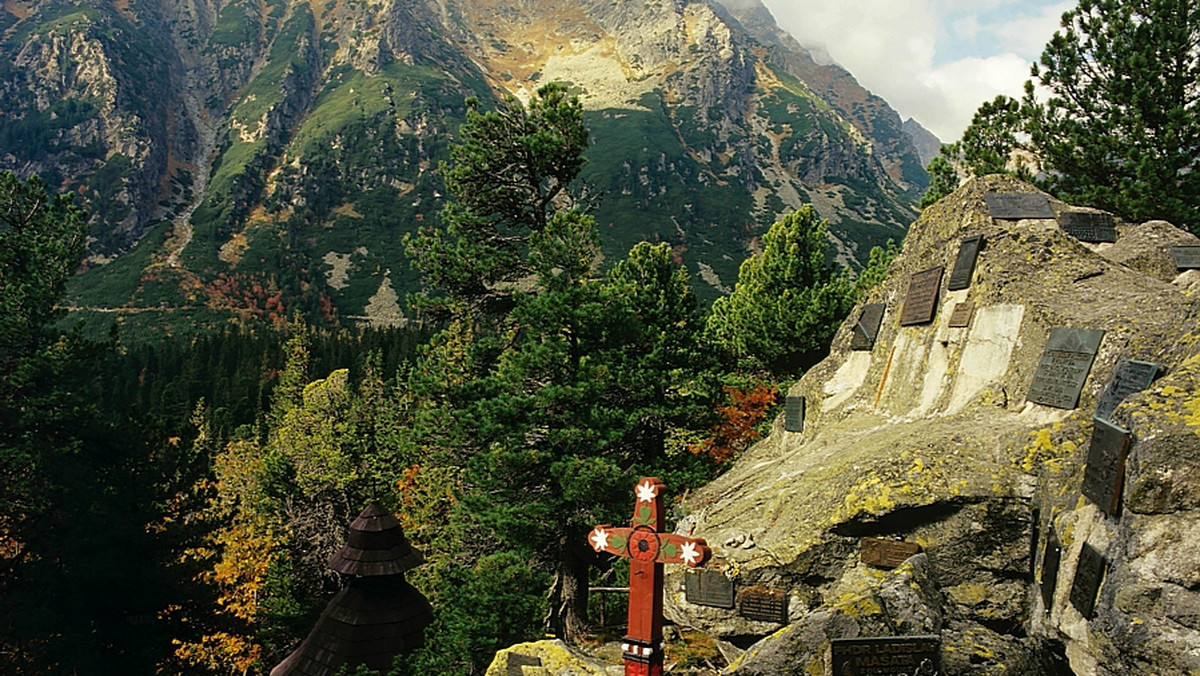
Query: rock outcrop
x=931 y=437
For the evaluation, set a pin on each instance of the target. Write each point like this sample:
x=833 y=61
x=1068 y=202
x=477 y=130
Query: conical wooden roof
x=369 y=622
x=376 y=546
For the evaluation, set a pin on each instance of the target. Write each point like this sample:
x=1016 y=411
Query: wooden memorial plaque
x=885 y=553
x=1064 y=367
x=885 y=656
x=1132 y=376
x=1105 y=469
x=920 y=303
x=964 y=265
x=1089 y=573
x=961 y=317
x=766 y=605
x=1014 y=207
x=793 y=417
x=705 y=587
x=1187 y=256
x=1089 y=226
x=1050 y=562
x=867 y=328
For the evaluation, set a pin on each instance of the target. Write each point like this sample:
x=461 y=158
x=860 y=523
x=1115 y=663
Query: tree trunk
x=568 y=616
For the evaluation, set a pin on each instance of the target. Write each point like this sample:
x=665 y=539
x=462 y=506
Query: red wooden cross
x=647 y=547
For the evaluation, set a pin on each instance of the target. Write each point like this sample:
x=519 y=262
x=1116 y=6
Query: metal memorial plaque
x=884 y=553
x=793 y=417
x=1089 y=226
x=766 y=605
x=961 y=317
x=1187 y=256
x=1014 y=207
x=1088 y=574
x=1105 y=465
x=867 y=328
x=885 y=656
x=1131 y=377
x=964 y=265
x=920 y=303
x=1050 y=561
x=1064 y=367
x=705 y=587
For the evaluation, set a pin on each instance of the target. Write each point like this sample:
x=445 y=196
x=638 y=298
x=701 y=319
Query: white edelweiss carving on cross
x=599 y=539
x=647 y=491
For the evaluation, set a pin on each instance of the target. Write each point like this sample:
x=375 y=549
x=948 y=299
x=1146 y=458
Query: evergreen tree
x=1122 y=125
x=509 y=174
x=788 y=301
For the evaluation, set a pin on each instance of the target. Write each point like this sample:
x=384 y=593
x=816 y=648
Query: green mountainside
x=261 y=157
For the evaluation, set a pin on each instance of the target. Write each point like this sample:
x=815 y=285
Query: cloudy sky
x=933 y=60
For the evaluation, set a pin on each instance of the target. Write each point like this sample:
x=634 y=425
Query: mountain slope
x=265 y=156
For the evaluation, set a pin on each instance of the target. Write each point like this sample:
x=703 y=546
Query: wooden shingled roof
x=378 y=615
x=370 y=622
x=376 y=546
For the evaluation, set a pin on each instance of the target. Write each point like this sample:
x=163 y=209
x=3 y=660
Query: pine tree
x=1122 y=124
x=788 y=301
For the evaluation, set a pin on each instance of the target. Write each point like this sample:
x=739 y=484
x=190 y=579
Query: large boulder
x=930 y=437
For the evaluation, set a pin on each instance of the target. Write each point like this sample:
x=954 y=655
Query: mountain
x=927 y=144
x=259 y=157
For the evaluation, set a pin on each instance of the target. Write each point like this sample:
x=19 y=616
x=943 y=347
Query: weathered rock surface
x=548 y=658
x=930 y=437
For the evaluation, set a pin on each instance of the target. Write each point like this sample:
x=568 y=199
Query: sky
x=932 y=60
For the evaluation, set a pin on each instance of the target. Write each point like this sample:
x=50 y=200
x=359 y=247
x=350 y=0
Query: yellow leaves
x=219 y=652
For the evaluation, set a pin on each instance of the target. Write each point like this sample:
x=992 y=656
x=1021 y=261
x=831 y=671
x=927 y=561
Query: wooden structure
x=378 y=615
x=647 y=547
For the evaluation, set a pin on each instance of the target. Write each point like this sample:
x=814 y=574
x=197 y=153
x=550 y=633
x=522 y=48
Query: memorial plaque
x=760 y=603
x=705 y=587
x=964 y=265
x=1014 y=207
x=1088 y=575
x=1050 y=561
x=920 y=303
x=1187 y=257
x=867 y=328
x=793 y=418
x=1132 y=376
x=1089 y=226
x=885 y=656
x=885 y=553
x=961 y=317
x=1064 y=367
x=1105 y=465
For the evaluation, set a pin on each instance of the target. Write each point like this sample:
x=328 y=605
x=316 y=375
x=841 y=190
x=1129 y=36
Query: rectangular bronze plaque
x=705 y=587
x=920 y=303
x=1014 y=207
x=885 y=656
x=885 y=553
x=1088 y=575
x=793 y=417
x=961 y=317
x=867 y=328
x=1105 y=465
x=1064 y=367
x=1089 y=226
x=1132 y=376
x=760 y=603
x=1187 y=256
x=1050 y=561
x=964 y=265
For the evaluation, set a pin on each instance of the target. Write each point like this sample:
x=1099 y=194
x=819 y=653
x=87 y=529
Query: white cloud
x=934 y=60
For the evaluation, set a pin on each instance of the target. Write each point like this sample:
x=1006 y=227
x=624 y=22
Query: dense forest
x=169 y=506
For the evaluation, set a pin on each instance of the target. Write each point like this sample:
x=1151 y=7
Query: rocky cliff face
x=260 y=139
x=933 y=437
